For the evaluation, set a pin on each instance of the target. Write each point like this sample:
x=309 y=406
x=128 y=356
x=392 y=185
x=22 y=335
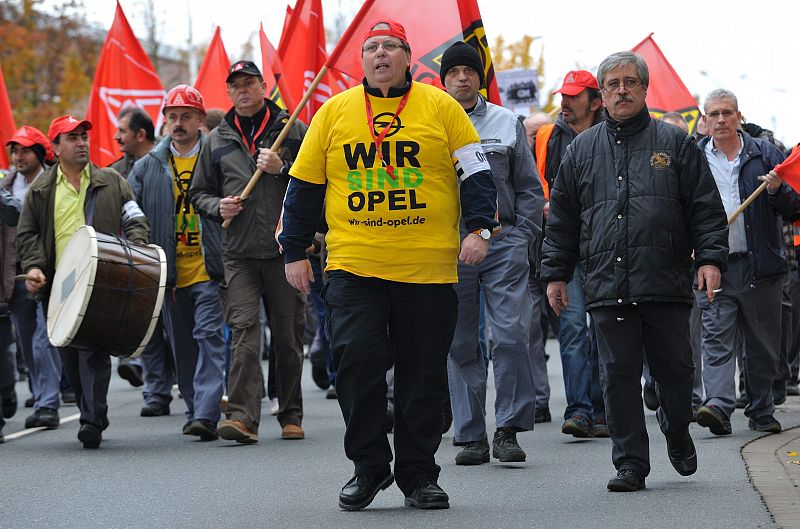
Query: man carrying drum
x=72 y=193
x=192 y=311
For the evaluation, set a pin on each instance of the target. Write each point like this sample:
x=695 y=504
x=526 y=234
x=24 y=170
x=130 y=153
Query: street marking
x=29 y=431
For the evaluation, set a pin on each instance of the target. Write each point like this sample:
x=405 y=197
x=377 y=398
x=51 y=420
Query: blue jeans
x=573 y=340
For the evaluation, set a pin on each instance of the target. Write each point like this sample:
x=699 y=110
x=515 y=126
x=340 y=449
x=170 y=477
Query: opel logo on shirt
x=381 y=121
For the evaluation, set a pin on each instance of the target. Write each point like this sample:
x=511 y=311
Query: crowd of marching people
x=428 y=233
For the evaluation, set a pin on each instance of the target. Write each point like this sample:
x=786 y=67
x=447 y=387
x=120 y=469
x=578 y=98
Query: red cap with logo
x=65 y=124
x=395 y=30
x=184 y=95
x=576 y=82
x=28 y=136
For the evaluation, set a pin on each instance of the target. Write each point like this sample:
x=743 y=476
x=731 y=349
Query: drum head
x=72 y=287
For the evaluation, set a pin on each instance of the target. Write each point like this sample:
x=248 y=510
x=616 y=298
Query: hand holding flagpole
x=788 y=171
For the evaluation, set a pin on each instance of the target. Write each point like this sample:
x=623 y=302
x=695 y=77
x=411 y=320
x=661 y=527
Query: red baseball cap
x=395 y=30
x=66 y=124
x=28 y=136
x=576 y=81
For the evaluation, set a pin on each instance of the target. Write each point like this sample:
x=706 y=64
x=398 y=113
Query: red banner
x=666 y=92
x=789 y=169
x=211 y=77
x=272 y=69
x=431 y=27
x=124 y=77
x=302 y=53
x=7 y=126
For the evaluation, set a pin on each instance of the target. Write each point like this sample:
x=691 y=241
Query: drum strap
x=90 y=216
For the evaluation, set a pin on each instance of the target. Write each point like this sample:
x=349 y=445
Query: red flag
x=211 y=77
x=7 y=126
x=789 y=169
x=431 y=28
x=272 y=69
x=666 y=92
x=124 y=77
x=302 y=52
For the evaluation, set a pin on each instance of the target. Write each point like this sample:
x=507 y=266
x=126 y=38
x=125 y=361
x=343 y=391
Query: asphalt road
x=148 y=475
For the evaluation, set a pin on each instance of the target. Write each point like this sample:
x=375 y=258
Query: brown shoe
x=236 y=430
x=292 y=431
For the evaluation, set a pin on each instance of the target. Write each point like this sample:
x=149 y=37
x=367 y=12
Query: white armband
x=470 y=159
x=131 y=210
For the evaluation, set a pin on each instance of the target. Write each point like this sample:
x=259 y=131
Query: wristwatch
x=483 y=233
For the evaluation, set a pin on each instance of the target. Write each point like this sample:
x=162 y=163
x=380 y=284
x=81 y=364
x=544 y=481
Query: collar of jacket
x=480 y=107
x=162 y=148
x=750 y=147
x=393 y=92
x=227 y=129
x=97 y=178
x=629 y=127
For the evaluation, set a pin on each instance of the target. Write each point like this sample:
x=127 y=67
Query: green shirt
x=68 y=213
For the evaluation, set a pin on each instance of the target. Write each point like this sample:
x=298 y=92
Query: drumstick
x=27 y=277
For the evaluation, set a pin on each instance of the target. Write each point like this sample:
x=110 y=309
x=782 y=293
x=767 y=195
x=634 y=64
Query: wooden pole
x=282 y=136
x=746 y=203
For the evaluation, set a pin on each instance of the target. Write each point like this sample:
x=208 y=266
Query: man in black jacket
x=633 y=198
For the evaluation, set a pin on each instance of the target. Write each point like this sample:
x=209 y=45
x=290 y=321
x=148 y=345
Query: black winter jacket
x=632 y=200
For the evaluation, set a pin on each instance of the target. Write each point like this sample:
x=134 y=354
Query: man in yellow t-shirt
x=192 y=311
x=394 y=192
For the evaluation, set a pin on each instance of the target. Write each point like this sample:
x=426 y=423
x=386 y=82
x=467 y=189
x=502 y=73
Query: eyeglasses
x=717 y=113
x=629 y=84
x=389 y=46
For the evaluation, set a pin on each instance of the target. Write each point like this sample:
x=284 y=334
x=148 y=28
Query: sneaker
x=681 y=452
x=154 y=410
x=600 y=427
x=131 y=373
x=650 y=397
x=274 y=406
x=292 y=431
x=331 y=393
x=204 y=429
x=428 y=495
x=577 y=426
x=711 y=417
x=236 y=430
x=765 y=423
x=474 y=453
x=505 y=446
x=626 y=480
x=43 y=418
x=542 y=415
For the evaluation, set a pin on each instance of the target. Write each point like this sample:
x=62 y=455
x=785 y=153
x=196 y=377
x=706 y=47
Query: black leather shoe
x=43 y=418
x=681 y=452
x=9 y=405
x=130 y=372
x=154 y=410
x=626 y=480
x=361 y=490
x=204 y=429
x=765 y=423
x=542 y=415
x=428 y=495
x=711 y=417
x=319 y=372
x=185 y=428
x=90 y=435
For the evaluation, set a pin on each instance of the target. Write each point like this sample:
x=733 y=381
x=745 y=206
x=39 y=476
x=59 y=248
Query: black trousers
x=372 y=323
x=89 y=373
x=624 y=334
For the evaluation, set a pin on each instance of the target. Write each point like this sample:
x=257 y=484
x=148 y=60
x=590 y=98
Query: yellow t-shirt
x=189 y=262
x=68 y=213
x=403 y=229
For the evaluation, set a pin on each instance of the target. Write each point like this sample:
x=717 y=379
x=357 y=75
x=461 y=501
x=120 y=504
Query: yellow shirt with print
x=189 y=261
x=400 y=229
x=68 y=213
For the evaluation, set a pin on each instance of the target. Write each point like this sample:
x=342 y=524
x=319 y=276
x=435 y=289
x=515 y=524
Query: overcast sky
x=743 y=45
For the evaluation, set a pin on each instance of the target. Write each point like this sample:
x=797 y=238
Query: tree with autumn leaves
x=48 y=59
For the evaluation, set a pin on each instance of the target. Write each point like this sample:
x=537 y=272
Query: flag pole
x=282 y=136
x=760 y=189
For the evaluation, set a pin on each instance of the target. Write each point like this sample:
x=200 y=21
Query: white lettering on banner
x=471 y=160
x=115 y=99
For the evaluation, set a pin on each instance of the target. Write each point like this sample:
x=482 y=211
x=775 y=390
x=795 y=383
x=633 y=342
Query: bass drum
x=107 y=294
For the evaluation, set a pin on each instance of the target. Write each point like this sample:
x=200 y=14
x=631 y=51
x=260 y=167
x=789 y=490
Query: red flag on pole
x=7 y=126
x=211 y=77
x=431 y=28
x=124 y=77
x=272 y=69
x=302 y=53
x=666 y=92
x=789 y=169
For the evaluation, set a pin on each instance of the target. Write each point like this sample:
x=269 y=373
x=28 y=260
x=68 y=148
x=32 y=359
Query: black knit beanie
x=460 y=54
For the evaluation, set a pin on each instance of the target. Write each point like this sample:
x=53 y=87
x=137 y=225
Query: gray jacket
x=520 y=198
x=225 y=167
x=151 y=180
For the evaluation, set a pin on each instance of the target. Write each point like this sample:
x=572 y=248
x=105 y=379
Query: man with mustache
x=750 y=299
x=503 y=276
x=72 y=193
x=192 y=313
x=632 y=200
x=581 y=108
x=386 y=158
x=251 y=256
